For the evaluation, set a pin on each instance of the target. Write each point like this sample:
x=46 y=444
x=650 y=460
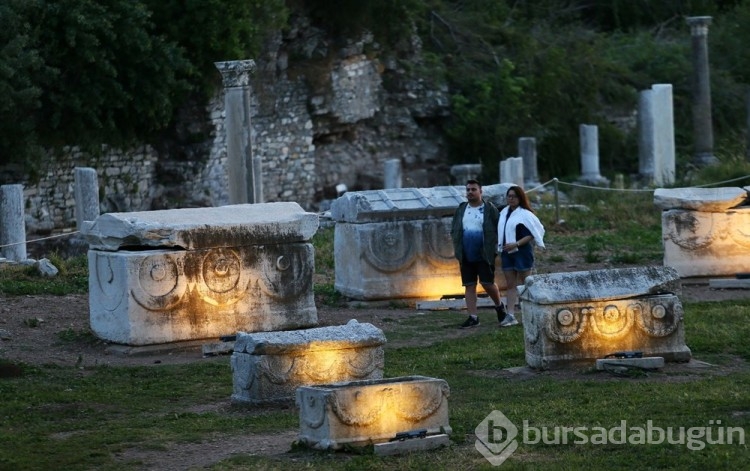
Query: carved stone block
x=699 y=243
x=583 y=316
x=161 y=296
x=396 y=243
x=367 y=412
x=269 y=366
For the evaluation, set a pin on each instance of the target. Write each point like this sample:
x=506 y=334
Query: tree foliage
x=579 y=62
x=93 y=72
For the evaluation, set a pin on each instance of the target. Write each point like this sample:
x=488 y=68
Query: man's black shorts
x=471 y=270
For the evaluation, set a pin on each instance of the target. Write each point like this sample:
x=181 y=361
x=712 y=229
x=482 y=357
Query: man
x=474 y=234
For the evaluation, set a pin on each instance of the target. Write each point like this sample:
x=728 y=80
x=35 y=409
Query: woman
x=517 y=229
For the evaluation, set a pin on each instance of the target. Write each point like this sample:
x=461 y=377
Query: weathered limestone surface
x=269 y=366
x=363 y=412
x=706 y=231
x=200 y=228
x=700 y=199
x=698 y=243
x=160 y=296
x=396 y=243
x=582 y=316
x=248 y=268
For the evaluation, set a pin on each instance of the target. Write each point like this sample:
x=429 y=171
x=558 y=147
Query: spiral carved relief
x=611 y=323
x=287 y=273
x=660 y=320
x=567 y=326
x=161 y=283
x=223 y=281
x=690 y=232
x=438 y=242
x=739 y=229
x=104 y=278
x=390 y=247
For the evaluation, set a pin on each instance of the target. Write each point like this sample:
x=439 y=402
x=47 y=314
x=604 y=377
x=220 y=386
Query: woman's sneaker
x=500 y=312
x=510 y=320
x=470 y=322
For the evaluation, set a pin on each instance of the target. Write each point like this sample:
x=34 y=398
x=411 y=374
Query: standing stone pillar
x=258 y=179
x=589 y=138
x=656 y=148
x=392 y=174
x=12 y=223
x=240 y=164
x=511 y=171
x=462 y=173
x=646 y=136
x=527 y=151
x=86 y=195
x=703 y=136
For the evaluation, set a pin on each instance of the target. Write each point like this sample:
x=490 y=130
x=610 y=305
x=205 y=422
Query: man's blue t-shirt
x=473 y=239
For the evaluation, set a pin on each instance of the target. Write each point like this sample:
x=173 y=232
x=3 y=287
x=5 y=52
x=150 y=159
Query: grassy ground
x=82 y=419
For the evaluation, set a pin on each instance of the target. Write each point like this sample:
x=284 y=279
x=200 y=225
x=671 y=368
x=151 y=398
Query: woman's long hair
x=523 y=200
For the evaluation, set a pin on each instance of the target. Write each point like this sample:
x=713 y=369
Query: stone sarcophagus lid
x=360 y=413
x=396 y=243
x=268 y=367
x=706 y=231
x=586 y=315
x=188 y=274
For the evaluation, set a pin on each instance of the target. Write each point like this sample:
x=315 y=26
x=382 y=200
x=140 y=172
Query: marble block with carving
x=268 y=367
x=166 y=276
x=360 y=413
x=706 y=231
x=396 y=243
x=582 y=316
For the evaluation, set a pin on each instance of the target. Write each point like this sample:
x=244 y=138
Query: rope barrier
x=542 y=185
x=606 y=188
x=37 y=240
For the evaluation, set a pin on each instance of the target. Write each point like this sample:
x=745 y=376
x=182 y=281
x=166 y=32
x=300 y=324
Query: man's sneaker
x=500 y=312
x=470 y=322
x=510 y=320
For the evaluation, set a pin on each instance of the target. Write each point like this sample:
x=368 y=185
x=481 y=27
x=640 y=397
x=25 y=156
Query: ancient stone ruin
x=706 y=231
x=269 y=366
x=187 y=274
x=588 y=315
x=396 y=243
x=370 y=412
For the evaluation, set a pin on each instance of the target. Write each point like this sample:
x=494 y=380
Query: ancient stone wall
x=328 y=117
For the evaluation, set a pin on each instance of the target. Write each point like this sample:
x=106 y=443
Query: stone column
x=392 y=174
x=589 y=138
x=511 y=171
x=86 y=195
x=462 y=173
x=240 y=164
x=12 y=223
x=656 y=148
x=646 y=136
x=258 y=179
x=664 y=147
x=703 y=137
x=527 y=151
